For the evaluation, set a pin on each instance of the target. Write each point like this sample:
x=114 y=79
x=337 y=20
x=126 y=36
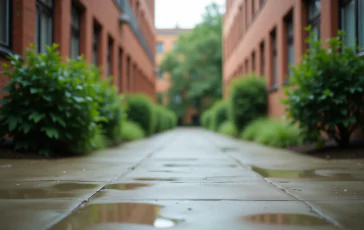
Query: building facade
x=165 y=42
x=268 y=36
x=116 y=35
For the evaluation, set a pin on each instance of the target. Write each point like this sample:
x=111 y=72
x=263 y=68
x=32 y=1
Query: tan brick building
x=266 y=36
x=117 y=35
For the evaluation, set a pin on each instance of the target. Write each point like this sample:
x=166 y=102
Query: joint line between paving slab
x=58 y=220
x=323 y=215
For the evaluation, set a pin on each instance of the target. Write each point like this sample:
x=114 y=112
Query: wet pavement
x=183 y=179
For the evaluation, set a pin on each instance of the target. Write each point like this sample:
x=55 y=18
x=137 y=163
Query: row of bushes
x=324 y=96
x=66 y=107
x=243 y=115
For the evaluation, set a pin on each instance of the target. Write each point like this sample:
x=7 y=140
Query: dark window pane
x=348 y=23
x=4 y=22
x=361 y=24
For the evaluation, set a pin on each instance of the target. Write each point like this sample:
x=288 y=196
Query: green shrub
x=248 y=100
x=219 y=114
x=272 y=132
x=50 y=106
x=131 y=131
x=327 y=92
x=206 y=119
x=141 y=111
x=228 y=128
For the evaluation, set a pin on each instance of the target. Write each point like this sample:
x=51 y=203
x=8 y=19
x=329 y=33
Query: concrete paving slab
x=29 y=214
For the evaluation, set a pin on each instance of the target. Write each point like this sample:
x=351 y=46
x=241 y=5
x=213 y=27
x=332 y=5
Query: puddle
x=101 y=216
x=295 y=174
x=287 y=219
x=127 y=186
x=155 y=179
x=60 y=190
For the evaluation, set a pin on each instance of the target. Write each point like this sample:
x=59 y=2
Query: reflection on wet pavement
x=200 y=166
x=127 y=186
x=155 y=179
x=59 y=190
x=296 y=174
x=93 y=215
x=287 y=219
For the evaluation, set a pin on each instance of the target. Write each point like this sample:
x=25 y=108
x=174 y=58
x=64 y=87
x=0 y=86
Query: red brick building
x=267 y=36
x=117 y=35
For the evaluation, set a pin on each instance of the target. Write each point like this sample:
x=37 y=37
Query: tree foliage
x=195 y=65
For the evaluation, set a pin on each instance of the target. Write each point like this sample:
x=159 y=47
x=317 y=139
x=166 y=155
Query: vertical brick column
x=86 y=37
x=299 y=24
x=329 y=19
x=62 y=25
x=24 y=19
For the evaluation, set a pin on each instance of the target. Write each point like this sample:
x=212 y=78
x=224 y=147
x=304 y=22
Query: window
x=352 y=22
x=95 y=55
x=313 y=16
x=5 y=17
x=128 y=72
x=44 y=24
x=109 y=55
x=262 y=59
x=253 y=8
x=160 y=98
x=275 y=60
x=160 y=47
x=246 y=15
x=120 y=69
x=246 y=66
x=290 y=45
x=75 y=32
x=253 y=61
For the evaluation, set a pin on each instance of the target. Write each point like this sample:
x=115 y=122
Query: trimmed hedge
x=165 y=119
x=131 y=131
x=248 y=100
x=141 y=111
x=272 y=133
x=219 y=114
x=228 y=128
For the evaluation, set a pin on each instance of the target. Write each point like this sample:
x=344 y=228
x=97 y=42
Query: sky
x=184 y=13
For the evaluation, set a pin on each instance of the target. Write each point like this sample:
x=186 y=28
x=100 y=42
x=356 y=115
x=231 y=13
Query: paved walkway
x=183 y=179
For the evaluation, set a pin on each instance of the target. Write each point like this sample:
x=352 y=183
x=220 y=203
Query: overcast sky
x=185 y=13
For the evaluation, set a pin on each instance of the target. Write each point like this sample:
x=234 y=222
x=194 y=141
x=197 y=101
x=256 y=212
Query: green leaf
x=33 y=90
x=12 y=123
x=36 y=117
x=51 y=132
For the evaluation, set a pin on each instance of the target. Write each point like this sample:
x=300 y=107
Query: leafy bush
x=141 y=111
x=248 y=100
x=273 y=133
x=228 y=128
x=131 y=131
x=165 y=119
x=219 y=114
x=328 y=91
x=50 y=106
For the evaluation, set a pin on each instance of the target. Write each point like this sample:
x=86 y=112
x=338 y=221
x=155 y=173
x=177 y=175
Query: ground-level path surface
x=183 y=179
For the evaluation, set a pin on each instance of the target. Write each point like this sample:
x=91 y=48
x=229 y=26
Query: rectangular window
x=5 y=23
x=253 y=62
x=262 y=59
x=120 y=70
x=313 y=16
x=160 y=46
x=44 y=24
x=290 y=45
x=246 y=66
x=275 y=59
x=253 y=8
x=109 y=56
x=75 y=31
x=96 y=39
x=352 y=22
x=128 y=72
